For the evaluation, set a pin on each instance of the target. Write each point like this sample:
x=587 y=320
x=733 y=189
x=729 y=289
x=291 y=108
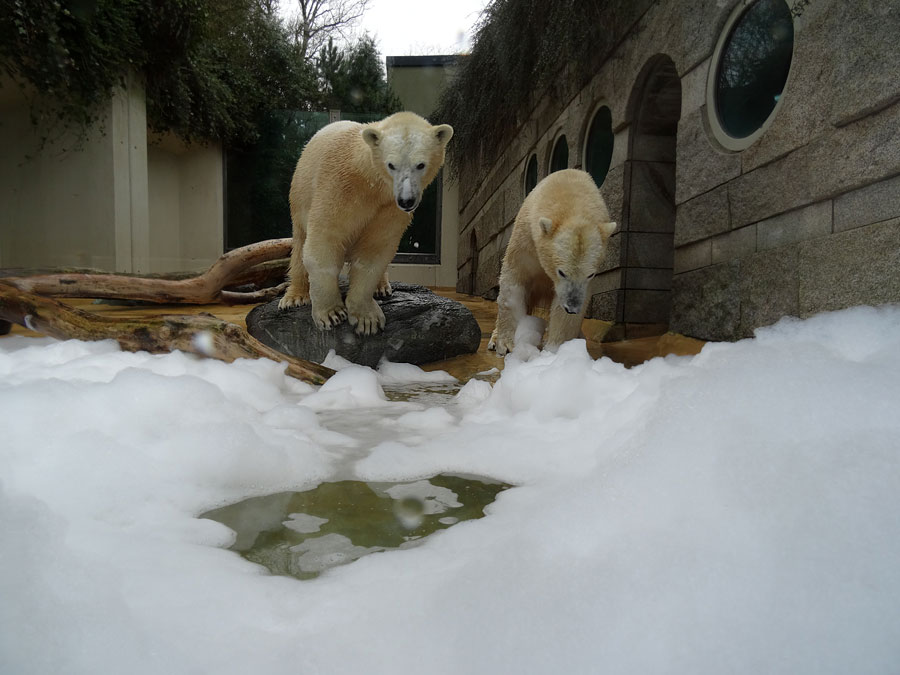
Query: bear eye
x=420 y=166
x=391 y=166
x=591 y=276
x=561 y=273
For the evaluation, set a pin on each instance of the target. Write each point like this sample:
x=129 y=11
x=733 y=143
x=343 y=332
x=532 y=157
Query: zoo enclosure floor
x=627 y=352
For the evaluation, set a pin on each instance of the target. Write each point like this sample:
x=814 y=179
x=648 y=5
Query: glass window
x=598 y=148
x=258 y=177
x=531 y=174
x=421 y=241
x=753 y=66
x=560 y=157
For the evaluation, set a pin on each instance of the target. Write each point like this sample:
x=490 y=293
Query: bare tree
x=317 y=20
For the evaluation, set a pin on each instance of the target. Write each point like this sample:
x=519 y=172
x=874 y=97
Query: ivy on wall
x=210 y=67
x=521 y=50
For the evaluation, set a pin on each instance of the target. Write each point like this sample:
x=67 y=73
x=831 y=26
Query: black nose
x=406 y=204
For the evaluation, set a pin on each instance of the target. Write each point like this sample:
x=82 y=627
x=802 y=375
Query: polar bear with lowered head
x=557 y=245
x=352 y=196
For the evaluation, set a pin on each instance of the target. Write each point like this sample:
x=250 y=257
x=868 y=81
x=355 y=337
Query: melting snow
x=737 y=511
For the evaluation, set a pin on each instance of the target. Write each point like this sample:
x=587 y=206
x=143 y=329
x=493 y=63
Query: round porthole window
x=530 y=174
x=752 y=61
x=598 y=146
x=560 y=158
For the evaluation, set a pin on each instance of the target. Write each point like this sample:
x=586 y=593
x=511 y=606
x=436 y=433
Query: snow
x=737 y=511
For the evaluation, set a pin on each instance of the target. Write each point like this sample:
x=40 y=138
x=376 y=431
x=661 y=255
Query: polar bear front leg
x=511 y=308
x=563 y=326
x=297 y=292
x=323 y=260
x=369 y=259
x=363 y=312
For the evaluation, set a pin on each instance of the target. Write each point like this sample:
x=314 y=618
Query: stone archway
x=648 y=227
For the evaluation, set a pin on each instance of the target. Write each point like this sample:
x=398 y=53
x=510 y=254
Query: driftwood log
x=202 y=334
x=233 y=268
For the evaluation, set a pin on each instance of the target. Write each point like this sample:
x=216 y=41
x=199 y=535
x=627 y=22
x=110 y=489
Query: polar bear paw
x=292 y=298
x=328 y=318
x=500 y=345
x=368 y=319
x=384 y=290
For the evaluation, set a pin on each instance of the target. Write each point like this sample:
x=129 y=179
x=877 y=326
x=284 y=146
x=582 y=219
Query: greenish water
x=301 y=534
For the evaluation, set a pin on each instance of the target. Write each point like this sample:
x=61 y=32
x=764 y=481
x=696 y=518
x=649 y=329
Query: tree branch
x=201 y=290
x=203 y=334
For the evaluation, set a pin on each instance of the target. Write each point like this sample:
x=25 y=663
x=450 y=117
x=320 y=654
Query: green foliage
x=228 y=70
x=354 y=80
x=209 y=68
x=520 y=51
x=65 y=51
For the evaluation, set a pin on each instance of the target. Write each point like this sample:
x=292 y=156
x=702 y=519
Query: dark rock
x=5 y=327
x=420 y=327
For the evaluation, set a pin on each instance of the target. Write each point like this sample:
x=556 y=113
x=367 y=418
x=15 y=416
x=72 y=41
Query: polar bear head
x=408 y=152
x=571 y=256
x=570 y=227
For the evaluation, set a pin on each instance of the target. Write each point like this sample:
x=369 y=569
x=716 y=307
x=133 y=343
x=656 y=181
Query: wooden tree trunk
x=208 y=288
x=201 y=334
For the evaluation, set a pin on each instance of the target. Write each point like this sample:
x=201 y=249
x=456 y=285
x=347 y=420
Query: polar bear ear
x=607 y=229
x=443 y=133
x=371 y=136
x=546 y=224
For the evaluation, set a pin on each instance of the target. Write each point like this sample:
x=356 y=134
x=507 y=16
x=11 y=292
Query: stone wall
x=806 y=219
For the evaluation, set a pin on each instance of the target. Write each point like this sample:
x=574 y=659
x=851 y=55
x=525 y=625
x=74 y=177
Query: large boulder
x=421 y=327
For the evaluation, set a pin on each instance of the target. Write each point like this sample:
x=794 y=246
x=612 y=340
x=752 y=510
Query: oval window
x=531 y=174
x=753 y=61
x=598 y=148
x=560 y=157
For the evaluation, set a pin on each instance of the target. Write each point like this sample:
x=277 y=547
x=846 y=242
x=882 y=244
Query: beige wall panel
x=56 y=208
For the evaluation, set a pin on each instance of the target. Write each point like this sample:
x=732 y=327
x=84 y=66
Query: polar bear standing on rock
x=352 y=197
x=557 y=244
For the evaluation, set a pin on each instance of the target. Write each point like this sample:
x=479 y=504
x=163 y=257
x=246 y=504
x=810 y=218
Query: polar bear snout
x=407 y=192
x=407 y=204
x=570 y=296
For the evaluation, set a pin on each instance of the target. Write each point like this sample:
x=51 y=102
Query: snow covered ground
x=733 y=512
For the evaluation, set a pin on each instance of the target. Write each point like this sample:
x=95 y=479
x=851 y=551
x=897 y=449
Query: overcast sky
x=415 y=27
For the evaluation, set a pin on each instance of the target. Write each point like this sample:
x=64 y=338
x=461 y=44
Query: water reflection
x=301 y=534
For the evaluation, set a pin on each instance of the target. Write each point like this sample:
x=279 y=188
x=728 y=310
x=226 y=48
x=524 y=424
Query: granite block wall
x=713 y=243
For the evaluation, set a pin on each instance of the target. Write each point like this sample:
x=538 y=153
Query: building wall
x=165 y=213
x=804 y=220
x=186 y=204
x=106 y=201
x=418 y=81
x=57 y=208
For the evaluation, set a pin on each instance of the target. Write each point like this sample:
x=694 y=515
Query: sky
x=736 y=511
x=410 y=27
